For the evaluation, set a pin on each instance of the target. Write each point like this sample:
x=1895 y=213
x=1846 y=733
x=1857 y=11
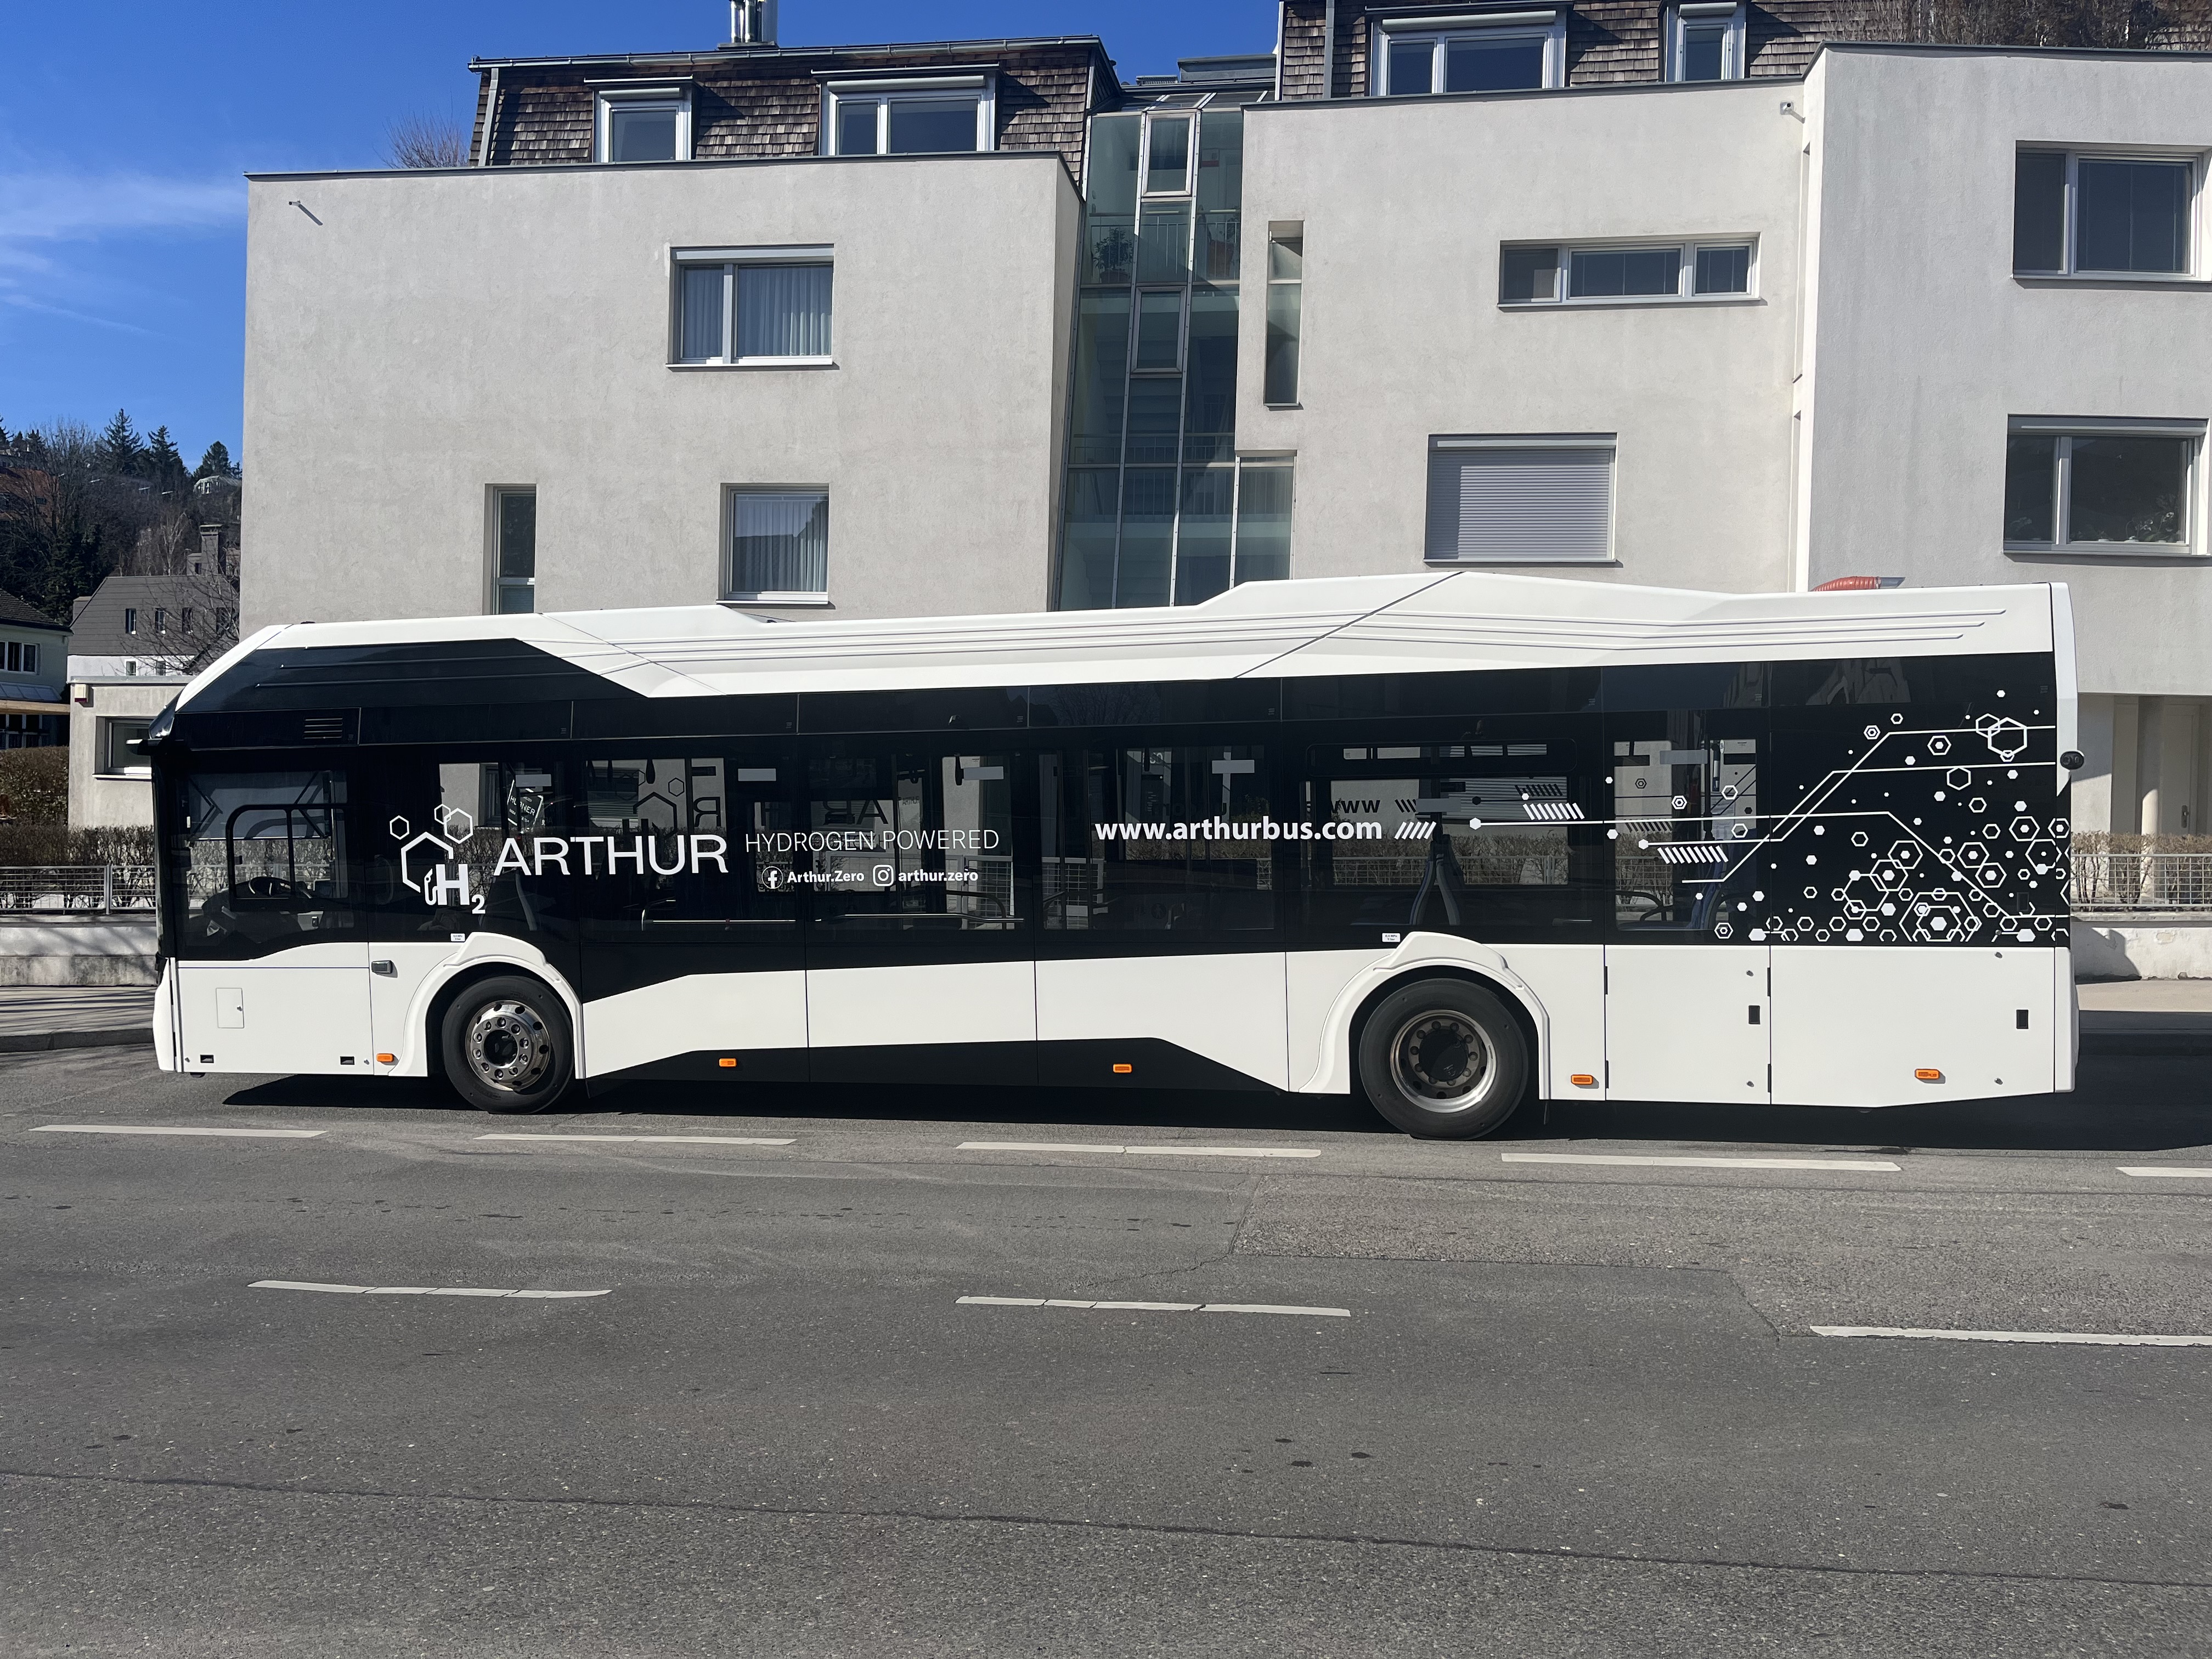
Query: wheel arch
x=451 y=989
x=1508 y=996
x=1332 y=1072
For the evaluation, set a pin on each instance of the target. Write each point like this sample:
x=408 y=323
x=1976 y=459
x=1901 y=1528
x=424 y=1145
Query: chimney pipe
x=752 y=22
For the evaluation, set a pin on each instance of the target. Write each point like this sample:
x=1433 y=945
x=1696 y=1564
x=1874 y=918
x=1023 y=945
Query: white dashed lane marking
x=417 y=1289
x=1655 y=1161
x=686 y=1140
x=1168 y=1150
x=2083 y=1338
x=2157 y=1170
x=160 y=1129
x=1153 y=1307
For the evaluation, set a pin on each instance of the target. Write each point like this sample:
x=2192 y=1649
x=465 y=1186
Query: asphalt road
x=1559 y=1408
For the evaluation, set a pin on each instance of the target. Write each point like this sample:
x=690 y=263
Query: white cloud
x=75 y=207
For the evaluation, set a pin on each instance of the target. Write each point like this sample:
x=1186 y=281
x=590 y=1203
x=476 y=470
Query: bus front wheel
x=1442 y=1058
x=506 y=1046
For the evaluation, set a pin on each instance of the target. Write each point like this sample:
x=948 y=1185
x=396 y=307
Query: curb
x=30 y=1043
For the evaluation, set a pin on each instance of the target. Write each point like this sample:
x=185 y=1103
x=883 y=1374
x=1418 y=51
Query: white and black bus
x=1446 y=840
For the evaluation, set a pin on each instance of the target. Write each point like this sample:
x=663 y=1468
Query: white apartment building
x=1667 y=295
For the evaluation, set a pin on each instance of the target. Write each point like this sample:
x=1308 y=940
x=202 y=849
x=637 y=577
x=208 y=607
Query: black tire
x=1441 y=1058
x=506 y=1046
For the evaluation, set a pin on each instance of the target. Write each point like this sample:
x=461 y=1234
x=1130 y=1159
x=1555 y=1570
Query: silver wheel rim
x=508 y=1046
x=1443 y=1060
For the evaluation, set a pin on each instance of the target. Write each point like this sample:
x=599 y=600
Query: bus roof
x=1429 y=622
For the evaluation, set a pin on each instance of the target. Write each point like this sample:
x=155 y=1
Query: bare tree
x=2152 y=25
x=426 y=141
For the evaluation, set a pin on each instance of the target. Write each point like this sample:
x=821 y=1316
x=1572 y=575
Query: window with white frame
x=121 y=754
x=2101 y=486
x=643 y=124
x=933 y=115
x=1616 y=273
x=1166 y=168
x=2090 y=213
x=1543 y=499
x=1705 y=41
x=1479 y=52
x=752 y=307
x=779 y=546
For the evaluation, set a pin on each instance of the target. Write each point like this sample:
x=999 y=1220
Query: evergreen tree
x=216 y=464
x=164 y=465
x=120 y=453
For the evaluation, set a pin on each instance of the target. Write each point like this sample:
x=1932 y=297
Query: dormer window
x=1705 y=41
x=918 y=115
x=644 y=123
x=1474 y=51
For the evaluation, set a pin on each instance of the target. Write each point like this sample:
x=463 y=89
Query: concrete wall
x=97 y=800
x=426 y=335
x=1921 y=341
x=1405 y=205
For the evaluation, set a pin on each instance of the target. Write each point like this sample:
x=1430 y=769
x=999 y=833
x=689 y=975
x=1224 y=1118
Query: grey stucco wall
x=426 y=335
x=1924 y=343
x=97 y=800
x=1405 y=205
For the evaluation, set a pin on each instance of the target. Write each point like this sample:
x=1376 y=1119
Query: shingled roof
x=13 y=610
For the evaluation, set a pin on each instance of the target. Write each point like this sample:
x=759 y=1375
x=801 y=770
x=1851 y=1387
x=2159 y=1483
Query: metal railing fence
x=2142 y=881
x=85 y=887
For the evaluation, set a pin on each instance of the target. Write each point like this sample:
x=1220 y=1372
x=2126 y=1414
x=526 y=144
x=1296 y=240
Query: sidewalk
x=34 y=1017
x=2147 y=1016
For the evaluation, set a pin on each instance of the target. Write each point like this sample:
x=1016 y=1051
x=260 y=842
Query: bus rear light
x=1122 y=1068
x=1584 y=1080
x=727 y=1062
x=1928 y=1074
x=388 y=1060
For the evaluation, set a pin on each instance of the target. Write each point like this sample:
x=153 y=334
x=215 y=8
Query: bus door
x=920 y=950
x=692 y=961
x=272 y=969
x=453 y=841
x=1688 y=1007
x=1161 y=963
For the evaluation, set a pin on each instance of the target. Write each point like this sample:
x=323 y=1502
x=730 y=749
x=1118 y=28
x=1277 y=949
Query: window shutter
x=1515 y=504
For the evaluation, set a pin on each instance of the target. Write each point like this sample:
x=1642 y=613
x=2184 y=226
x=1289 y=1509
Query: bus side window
x=1685 y=794
x=912 y=841
x=265 y=861
x=1179 y=839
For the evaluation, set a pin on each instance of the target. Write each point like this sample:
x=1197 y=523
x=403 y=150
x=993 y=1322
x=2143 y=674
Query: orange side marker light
x=388 y=1060
x=1122 y=1068
x=1584 y=1080
x=727 y=1062
x=1928 y=1074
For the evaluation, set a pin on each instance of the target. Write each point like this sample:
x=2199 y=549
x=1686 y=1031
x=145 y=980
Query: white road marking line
x=2090 y=1338
x=162 y=1129
x=417 y=1289
x=686 y=1140
x=1153 y=1307
x=2164 y=1170
x=1703 y=1163
x=1170 y=1151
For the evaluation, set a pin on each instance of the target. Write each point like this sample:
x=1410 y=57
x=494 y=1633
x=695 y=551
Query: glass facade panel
x=1263 y=520
x=1150 y=514
x=1167 y=162
x=1204 y=532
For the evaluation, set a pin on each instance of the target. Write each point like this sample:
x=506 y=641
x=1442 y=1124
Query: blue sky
x=125 y=128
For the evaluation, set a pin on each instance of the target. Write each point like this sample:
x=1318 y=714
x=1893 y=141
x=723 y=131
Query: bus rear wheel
x=506 y=1046
x=1441 y=1058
